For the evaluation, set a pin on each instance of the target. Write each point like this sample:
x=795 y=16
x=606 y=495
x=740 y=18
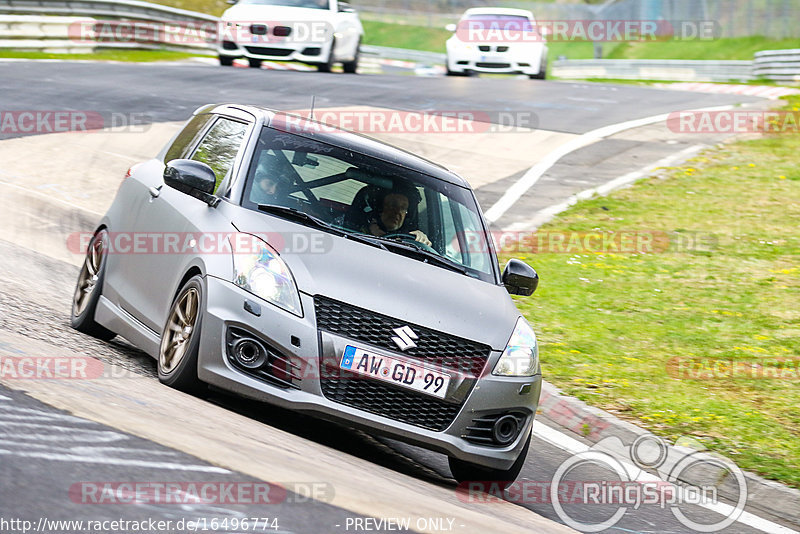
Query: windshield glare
x=313 y=4
x=363 y=195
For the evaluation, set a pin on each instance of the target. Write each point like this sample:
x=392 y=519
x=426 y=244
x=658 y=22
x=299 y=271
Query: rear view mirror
x=520 y=278
x=451 y=28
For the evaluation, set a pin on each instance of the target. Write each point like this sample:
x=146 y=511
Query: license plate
x=395 y=371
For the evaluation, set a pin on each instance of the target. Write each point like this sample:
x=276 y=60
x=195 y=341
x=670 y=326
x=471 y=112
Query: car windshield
x=313 y=4
x=390 y=206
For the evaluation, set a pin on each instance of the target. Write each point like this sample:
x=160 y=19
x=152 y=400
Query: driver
x=391 y=216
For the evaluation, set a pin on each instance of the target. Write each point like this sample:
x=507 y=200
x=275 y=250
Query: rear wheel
x=89 y=287
x=180 y=341
x=225 y=61
x=468 y=472
x=254 y=63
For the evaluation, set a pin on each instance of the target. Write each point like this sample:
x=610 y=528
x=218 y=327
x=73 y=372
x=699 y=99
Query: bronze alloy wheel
x=90 y=274
x=88 y=288
x=180 y=342
x=178 y=334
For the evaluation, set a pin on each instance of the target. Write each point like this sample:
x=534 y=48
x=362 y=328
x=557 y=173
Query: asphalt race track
x=127 y=427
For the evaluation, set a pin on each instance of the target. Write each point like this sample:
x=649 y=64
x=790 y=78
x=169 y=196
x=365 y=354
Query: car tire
x=468 y=472
x=328 y=65
x=351 y=67
x=254 y=63
x=180 y=340
x=226 y=61
x=89 y=288
x=542 y=75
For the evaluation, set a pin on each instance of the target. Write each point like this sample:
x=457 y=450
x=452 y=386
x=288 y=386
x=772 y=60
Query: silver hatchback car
x=323 y=271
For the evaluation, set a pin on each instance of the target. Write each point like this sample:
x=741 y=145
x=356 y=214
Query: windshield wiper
x=424 y=255
x=303 y=217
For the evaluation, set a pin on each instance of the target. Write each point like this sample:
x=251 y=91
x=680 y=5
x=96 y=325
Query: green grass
x=609 y=324
x=102 y=55
x=738 y=48
x=404 y=36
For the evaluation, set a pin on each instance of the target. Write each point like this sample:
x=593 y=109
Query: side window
x=220 y=145
x=184 y=140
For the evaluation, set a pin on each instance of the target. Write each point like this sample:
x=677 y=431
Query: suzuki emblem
x=405 y=338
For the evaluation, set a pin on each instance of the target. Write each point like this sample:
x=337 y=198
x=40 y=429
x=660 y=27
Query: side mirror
x=451 y=28
x=193 y=178
x=346 y=8
x=231 y=2
x=520 y=278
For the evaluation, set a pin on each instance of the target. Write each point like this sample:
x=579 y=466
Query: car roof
x=341 y=138
x=497 y=11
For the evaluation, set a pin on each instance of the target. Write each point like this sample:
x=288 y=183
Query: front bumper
x=299 y=340
x=307 y=52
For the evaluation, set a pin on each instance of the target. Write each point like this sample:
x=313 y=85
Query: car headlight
x=257 y=268
x=521 y=357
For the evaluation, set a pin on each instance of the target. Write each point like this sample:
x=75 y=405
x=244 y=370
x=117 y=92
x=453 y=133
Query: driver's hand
x=421 y=237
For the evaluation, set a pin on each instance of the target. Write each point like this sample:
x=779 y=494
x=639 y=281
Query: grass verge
x=612 y=325
x=136 y=56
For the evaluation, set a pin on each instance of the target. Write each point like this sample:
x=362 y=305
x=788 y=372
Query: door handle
x=155 y=191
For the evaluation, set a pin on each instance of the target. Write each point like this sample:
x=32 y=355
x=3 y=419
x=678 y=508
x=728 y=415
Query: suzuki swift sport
x=322 y=271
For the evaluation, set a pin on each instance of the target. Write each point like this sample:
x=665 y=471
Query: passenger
x=391 y=217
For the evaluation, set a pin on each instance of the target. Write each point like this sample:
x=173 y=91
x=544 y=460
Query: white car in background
x=315 y=32
x=496 y=40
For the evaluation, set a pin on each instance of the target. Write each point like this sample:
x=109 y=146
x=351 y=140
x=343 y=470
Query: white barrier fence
x=59 y=34
x=662 y=69
x=778 y=65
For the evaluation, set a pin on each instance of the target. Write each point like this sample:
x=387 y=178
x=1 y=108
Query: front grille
x=493 y=65
x=502 y=49
x=387 y=400
x=258 y=29
x=433 y=347
x=267 y=51
x=281 y=31
x=484 y=48
x=381 y=399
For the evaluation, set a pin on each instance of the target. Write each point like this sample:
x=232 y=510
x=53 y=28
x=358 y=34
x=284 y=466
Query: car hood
x=256 y=13
x=388 y=283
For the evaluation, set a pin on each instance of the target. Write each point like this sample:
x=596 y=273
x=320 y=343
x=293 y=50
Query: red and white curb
x=764 y=91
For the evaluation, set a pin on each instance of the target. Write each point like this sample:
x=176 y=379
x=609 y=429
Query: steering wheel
x=410 y=238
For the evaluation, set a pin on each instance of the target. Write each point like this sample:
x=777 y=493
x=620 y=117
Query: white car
x=496 y=40
x=315 y=32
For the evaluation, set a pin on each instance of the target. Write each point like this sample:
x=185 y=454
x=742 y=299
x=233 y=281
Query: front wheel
x=89 y=287
x=328 y=65
x=225 y=61
x=351 y=67
x=468 y=472
x=254 y=63
x=180 y=341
